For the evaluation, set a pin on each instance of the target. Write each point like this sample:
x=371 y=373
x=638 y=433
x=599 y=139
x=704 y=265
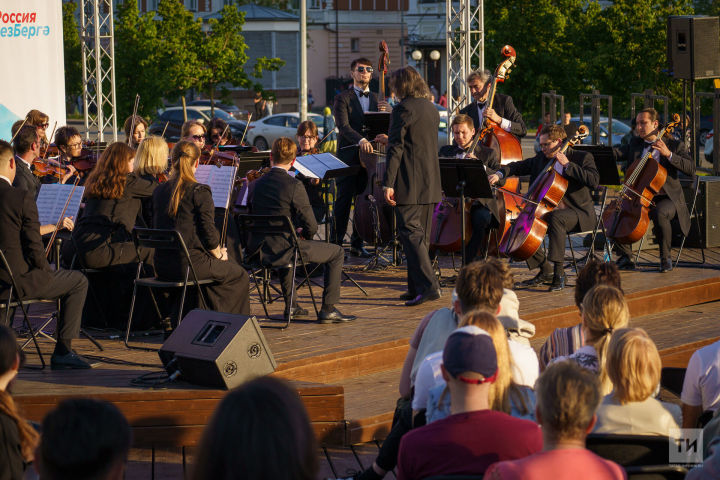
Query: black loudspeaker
x=217 y=350
x=693 y=46
x=707 y=210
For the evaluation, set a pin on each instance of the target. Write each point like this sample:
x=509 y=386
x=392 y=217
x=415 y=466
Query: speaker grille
x=693 y=47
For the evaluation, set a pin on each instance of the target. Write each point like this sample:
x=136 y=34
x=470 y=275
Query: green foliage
x=72 y=52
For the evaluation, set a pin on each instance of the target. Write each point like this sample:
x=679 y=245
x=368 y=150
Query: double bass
x=627 y=218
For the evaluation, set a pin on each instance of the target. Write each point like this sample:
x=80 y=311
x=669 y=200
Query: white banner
x=31 y=48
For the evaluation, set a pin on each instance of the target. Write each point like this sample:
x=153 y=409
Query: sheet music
x=51 y=201
x=317 y=165
x=220 y=180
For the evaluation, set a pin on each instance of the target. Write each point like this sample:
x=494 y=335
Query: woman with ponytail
x=18 y=438
x=184 y=205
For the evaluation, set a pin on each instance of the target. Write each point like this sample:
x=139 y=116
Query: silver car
x=262 y=133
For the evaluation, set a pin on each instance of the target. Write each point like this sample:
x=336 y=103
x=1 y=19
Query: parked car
x=173 y=117
x=620 y=132
x=233 y=110
x=266 y=130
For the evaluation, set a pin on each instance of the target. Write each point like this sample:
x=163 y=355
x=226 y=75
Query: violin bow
x=18 y=130
x=326 y=136
x=165 y=129
x=60 y=220
x=247 y=125
x=132 y=123
x=51 y=136
x=223 y=234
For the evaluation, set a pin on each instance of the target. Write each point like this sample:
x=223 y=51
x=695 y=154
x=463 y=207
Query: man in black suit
x=20 y=242
x=412 y=179
x=349 y=109
x=669 y=202
x=502 y=111
x=576 y=211
x=278 y=193
x=485 y=212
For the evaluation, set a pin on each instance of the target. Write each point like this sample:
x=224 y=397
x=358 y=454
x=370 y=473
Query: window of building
x=354 y=44
x=284 y=45
x=192 y=5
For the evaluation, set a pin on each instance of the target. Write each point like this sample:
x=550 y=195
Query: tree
x=72 y=51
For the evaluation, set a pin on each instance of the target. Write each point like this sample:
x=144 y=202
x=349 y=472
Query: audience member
x=474 y=436
x=567 y=396
x=701 y=388
x=509 y=314
x=17 y=438
x=259 y=431
x=83 y=439
x=633 y=366
x=710 y=468
x=564 y=341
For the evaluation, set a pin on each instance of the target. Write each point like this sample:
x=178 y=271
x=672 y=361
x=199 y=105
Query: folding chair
x=268 y=226
x=163 y=240
x=593 y=233
x=630 y=450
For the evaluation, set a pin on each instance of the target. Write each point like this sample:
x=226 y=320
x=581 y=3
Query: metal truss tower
x=465 y=37
x=98 y=57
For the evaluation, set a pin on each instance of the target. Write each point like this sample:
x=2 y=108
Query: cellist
x=576 y=211
x=669 y=202
x=503 y=111
x=484 y=213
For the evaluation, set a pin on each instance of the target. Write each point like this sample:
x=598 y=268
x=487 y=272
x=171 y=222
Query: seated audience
x=603 y=310
x=17 y=438
x=633 y=366
x=139 y=126
x=567 y=396
x=701 y=387
x=564 y=341
x=509 y=315
x=259 y=431
x=83 y=439
x=710 y=468
x=184 y=205
x=473 y=436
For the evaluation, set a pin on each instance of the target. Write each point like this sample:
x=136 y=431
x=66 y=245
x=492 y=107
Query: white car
x=265 y=131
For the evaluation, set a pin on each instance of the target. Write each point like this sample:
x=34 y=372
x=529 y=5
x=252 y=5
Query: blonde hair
x=603 y=310
x=184 y=155
x=185 y=129
x=151 y=157
x=633 y=365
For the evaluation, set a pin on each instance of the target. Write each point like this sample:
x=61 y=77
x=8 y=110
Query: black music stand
x=375 y=123
x=468 y=177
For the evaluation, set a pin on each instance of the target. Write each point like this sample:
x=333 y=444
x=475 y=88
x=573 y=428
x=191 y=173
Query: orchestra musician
x=41 y=122
x=139 y=126
x=277 y=193
x=151 y=163
x=669 y=202
x=349 y=109
x=184 y=205
x=412 y=179
x=195 y=132
x=217 y=128
x=576 y=211
x=21 y=243
x=503 y=112
x=307 y=139
x=69 y=144
x=113 y=195
x=484 y=213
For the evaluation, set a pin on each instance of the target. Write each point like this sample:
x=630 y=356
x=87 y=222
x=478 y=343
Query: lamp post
x=417 y=55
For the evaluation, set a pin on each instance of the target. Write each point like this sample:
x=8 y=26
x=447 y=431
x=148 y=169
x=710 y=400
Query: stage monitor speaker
x=707 y=210
x=693 y=46
x=217 y=350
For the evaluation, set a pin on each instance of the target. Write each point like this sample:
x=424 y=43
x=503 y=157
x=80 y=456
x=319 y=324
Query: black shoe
x=539 y=279
x=297 y=311
x=407 y=296
x=68 y=361
x=558 y=283
x=427 y=297
x=359 y=252
x=624 y=263
x=334 y=317
x=665 y=266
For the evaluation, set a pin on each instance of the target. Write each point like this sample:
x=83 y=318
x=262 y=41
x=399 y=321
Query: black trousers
x=414 y=223
x=71 y=288
x=329 y=254
x=661 y=216
x=560 y=222
x=346 y=190
x=481 y=219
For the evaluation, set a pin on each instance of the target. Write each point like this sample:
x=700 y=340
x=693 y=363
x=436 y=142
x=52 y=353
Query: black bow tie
x=481 y=105
x=363 y=94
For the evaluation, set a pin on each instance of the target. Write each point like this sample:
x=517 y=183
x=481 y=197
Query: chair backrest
x=630 y=450
x=656 y=472
x=267 y=225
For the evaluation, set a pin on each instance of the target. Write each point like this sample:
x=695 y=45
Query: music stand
x=468 y=177
x=375 y=123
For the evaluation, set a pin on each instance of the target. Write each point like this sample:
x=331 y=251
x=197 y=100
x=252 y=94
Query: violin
x=85 y=162
x=45 y=168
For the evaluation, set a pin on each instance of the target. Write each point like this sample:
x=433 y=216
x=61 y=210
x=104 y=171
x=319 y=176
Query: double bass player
x=502 y=111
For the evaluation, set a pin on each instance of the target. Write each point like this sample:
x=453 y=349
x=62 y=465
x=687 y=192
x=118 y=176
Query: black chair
x=593 y=233
x=656 y=472
x=630 y=450
x=163 y=240
x=269 y=226
x=672 y=378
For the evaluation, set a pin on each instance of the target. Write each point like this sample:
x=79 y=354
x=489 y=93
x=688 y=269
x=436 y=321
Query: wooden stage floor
x=347 y=373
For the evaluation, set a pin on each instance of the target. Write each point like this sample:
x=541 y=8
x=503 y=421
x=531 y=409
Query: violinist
x=504 y=112
x=307 y=139
x=112 y=203
x=669 y=202
x=69 y=144
x=576 y=211
x=41 y=122
x=151 y=163
x=195 y=132
x=484 y=213
x=217 y=133
x=139 y=126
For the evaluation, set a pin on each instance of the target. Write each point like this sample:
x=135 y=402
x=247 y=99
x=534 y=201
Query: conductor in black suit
x=20 y=242
x=279 y=193
x=412 y=179
x=349 y=109
x=503 y=111
x=669 y=202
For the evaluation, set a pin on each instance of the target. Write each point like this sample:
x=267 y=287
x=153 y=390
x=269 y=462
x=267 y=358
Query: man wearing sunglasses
x=349 y=109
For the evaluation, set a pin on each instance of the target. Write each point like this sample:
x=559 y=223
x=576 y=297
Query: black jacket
x=12 y=463
x=582 y=176
x=349 y=118
x=412 y=167
x=503 y=106
x=680 y=161
x=25 y=179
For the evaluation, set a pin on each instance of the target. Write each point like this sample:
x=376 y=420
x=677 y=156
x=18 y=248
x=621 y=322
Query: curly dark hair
x=593 y=273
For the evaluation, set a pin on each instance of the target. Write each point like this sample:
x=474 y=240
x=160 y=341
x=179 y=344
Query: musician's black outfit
x=576 y=212
x=503 y=106
x=485 y=212
x=195 y=222
x=25 y=179
x=349 y=109
x=413 y=171
x=314 y=191
x=669 y=202
x=21 y=243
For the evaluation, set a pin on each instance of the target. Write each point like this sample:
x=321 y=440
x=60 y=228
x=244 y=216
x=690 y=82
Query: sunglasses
x=44 y=125
x=365 y=69
x=197 y=138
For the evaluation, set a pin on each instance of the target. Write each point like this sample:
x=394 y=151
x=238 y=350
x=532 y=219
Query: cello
x=627 y=218
x=527 y=233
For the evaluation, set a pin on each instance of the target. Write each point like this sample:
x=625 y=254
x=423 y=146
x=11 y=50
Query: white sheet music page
x=51 y=201
x=219 y=179
x=317 y=165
